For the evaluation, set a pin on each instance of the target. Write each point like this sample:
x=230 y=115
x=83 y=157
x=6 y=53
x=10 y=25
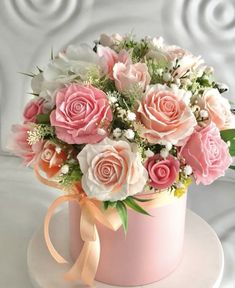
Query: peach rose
x=207 y=154
x=218 y=109
x=82 y=114
x=109 y=58
x=165 y=116
x=128 y=76
x=19 y=144
x=162 y=172
x=33 y=108
x=111 y=170
x=50 y=160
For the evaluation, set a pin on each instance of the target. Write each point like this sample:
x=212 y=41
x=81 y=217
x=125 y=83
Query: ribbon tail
x=47 y=220
x=86 y=265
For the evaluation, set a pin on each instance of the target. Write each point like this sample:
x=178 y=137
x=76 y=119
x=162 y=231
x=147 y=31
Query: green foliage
x=43 y=118
x=73 y=176
x=232 y=167
x=122 y=211
x=229 y=137
x=130 y=201
x=121 y=207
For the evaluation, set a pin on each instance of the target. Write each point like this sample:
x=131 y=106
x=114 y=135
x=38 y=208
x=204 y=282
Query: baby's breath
x=38 y=133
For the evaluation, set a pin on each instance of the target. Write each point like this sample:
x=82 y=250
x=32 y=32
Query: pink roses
x=111 y=170
x=33 y=108
x=82 y=114
x=162 y=172
x=207 y=154
x=218 y=109
x=119 y=67
x=165 y=116
x=19 y=144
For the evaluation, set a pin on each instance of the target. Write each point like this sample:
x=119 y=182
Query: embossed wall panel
x=28 y=29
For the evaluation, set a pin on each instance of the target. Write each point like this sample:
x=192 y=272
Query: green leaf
x=39 y=69
x=121 y=208
x=43 y=118
x=140 y=199
x=229 y=135
x=232 y=167
x=132 y=204
x=34 y=94
x=27 y=74
x=106 y=205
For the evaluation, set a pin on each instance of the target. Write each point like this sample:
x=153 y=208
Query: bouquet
x=124 y=119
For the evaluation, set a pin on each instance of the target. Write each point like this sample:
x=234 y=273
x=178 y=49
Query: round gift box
x=150 y=251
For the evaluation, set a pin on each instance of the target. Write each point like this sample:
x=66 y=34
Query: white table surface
x=24 y=201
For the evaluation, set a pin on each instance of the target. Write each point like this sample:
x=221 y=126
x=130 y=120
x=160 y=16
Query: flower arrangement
x=124 y=118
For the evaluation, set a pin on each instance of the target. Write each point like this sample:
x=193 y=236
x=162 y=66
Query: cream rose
x=218 y=109
x=111 y=170
x=127 y=76
x=165 y=116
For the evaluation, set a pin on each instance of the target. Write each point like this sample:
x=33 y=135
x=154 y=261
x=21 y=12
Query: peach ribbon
x=86 y=265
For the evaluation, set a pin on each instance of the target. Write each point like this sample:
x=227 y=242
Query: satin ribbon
x=86 y=265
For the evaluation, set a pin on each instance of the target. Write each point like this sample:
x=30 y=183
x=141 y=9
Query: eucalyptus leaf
x=122 y=210
x=132 y=204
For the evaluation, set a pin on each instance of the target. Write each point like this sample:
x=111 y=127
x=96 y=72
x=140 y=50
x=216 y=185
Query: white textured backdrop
x=28 y=30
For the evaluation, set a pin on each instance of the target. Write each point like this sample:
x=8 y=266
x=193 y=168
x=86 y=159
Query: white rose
x=111 y=170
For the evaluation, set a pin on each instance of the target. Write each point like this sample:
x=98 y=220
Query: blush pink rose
x=109 y=58
x=20 y=147
x=207 y=154
x=128 y=76
x=218 y=109
x=111 y=170
x=165 y=116
x=82 y=114
x=162 y=172
x=33 y=108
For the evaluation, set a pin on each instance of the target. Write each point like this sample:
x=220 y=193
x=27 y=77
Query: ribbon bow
x=86 y=265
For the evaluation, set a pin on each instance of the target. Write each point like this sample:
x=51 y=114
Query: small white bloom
x=209 y=70
x=164 y=153
x=58 y=149
x=65 y=169
x=229 y=143
x=188 y=170
x=167 y=77
x=129 y=134
x=203 y=113
x=168 y=146
x=159 y=71
x=179 y=184
x=177 y=81
x=148 y=153
x=131 y=116
x=113 y=99
x=121 y=112
x=117 y=133
x=101 y=131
